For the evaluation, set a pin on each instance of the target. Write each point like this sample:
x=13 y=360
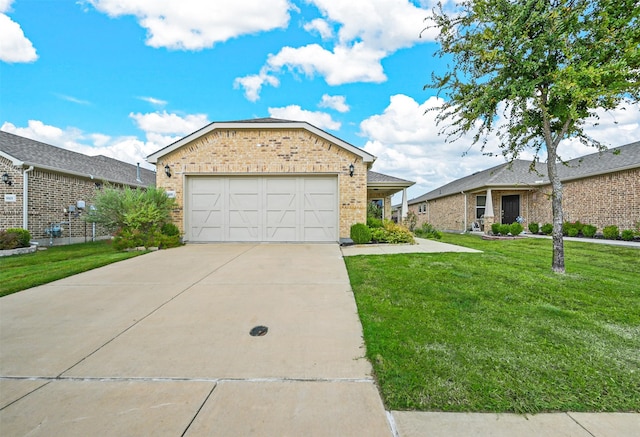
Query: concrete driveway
x=160 y=345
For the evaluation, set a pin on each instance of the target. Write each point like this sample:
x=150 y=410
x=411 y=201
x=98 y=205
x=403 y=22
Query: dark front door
x=510 y=208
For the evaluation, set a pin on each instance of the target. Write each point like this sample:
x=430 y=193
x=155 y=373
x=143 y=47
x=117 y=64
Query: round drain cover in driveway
x=258 y=331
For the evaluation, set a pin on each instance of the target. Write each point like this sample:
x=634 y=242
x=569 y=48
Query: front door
x=510 y=208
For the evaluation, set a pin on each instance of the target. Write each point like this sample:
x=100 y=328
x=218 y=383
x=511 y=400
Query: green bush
x=170 y=230
x=547 y=229
x=534 y=228
x=360 y=233
x=572 y=232
x=627 y=235
x=392 y=233
x=427 y=231
x=14 y=238
x=137 y=215
x=504 y=229
x=516 y=228
x=589 y=231
x=611 y=232
x=495 y=228
x=374 y=210
x=373 y=222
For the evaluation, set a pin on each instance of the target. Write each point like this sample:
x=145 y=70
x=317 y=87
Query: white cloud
x=73 y=99
x=320 y=120
x=160 y=130
x=252 y=84
x=153 y=101
x=334 y=102
x=405 y=139
x=321 y=26
x=369 y=31
x=14 y=45
x=166 y=123
x=196 y=24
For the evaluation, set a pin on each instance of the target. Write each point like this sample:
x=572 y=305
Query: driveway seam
x=189 y=287
x=579 y=424
x=206 y=399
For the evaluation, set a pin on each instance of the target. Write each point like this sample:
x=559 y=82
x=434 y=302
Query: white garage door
x=262 y=208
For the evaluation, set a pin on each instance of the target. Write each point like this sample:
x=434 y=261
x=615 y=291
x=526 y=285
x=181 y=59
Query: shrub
x=428 y=231
x=504 y=229
x=170 y=230
x=360 y=233
x=589 y=231
x=627 y=235
x=411 y=220
x=547 y=229
x=379 y=235
x=611 y=232
x=495 y=228
x=515 y=228
x=14 y=238
x=373 y=222
x=392 y=233
x=572 y=231
x=396 y=234
x=374 y=210
x=534 y=228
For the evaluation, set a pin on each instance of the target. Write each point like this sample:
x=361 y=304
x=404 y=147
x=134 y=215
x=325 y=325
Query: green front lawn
x=500 y=332
x=19 y=272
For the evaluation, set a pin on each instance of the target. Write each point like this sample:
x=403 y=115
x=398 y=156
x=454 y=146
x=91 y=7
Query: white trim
x=14 y=161
x=366 y=157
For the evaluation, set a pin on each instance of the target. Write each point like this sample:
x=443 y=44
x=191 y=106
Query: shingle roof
x=374 y=177
x=518 y=172
x=46 y=156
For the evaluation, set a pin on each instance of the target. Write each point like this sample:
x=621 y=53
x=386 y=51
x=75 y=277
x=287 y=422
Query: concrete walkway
x=160 y=345
x=422 y=246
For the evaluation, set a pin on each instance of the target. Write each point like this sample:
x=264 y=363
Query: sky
x=124 y=78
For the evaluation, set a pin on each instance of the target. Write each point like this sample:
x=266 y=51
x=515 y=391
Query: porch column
x=488 y=212
x=405 y=206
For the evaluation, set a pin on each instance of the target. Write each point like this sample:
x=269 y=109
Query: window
x=376 y=208
x=481 y=203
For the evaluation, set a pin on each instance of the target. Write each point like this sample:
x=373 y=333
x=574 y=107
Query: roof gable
x=25 y=152
x=260 y=123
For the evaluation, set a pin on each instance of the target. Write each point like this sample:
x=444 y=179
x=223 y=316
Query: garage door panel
x=263 y=208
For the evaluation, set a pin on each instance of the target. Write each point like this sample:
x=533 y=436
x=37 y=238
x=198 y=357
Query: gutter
x=25 y=198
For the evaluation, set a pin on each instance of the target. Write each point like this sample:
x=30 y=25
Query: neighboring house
x=601 y=189
x=39 y=182
x=270 y=180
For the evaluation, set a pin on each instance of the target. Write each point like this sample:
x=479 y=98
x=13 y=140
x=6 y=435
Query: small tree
x=142 y=212
x=546 y=65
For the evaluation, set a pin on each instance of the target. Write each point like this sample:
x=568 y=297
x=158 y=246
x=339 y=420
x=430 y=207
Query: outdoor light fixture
x=167 y=170
x=6 y=179
x=351 y=170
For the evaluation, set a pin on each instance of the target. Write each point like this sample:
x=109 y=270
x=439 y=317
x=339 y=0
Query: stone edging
x=19 y=251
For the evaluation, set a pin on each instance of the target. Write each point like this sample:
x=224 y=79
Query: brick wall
x=611 y=199
x=268 y=151
x=11 y=216
x=49 y=194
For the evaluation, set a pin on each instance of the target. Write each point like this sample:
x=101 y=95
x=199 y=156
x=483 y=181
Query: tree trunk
x=557 y=265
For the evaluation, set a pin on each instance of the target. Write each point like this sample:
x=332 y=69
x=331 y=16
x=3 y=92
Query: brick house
x=601 y=189
x=270 y=180
x=39 y=181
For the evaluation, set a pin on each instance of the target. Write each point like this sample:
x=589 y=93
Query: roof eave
x=15 y=161
x=153 y=158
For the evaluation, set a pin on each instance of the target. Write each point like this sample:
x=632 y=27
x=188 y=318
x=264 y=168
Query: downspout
x=465 y=212
x=25 y=198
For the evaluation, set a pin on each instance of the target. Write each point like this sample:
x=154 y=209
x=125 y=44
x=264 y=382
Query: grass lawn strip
x=19 y=272
x=498 y=331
